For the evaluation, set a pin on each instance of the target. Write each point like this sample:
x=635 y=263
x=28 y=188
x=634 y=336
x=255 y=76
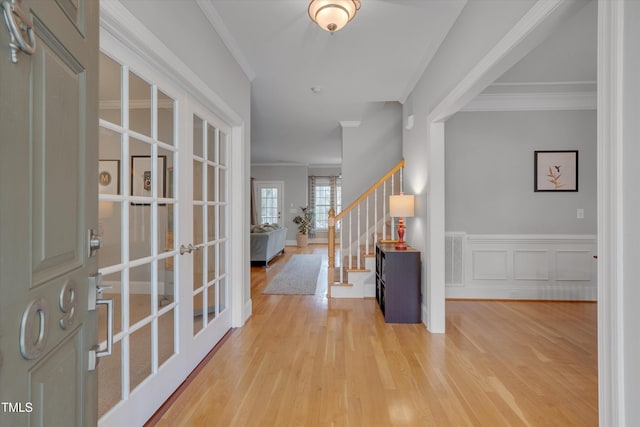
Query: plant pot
x=303 y=240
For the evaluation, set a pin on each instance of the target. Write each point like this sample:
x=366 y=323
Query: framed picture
x=555 y=170
x=109 y=176
x=141 y=182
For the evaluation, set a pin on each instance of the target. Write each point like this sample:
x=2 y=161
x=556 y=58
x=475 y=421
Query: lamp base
x=401 y=245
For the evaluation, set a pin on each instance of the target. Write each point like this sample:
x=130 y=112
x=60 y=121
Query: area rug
x=298 y=277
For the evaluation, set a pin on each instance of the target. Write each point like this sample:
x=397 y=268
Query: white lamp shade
x=401 y=205
x=332 y=15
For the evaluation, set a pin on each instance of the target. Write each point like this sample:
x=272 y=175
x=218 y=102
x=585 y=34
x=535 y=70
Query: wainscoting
x=536 y=267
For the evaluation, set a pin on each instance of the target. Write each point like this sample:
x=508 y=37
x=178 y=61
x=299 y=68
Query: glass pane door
x=268 y=198
x=210 y=293
x=137 y=207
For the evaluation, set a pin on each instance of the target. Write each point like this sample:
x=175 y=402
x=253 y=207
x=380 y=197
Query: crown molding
x=533 y=101
x=558 y=83
x=325 y=165
x=229 y=41
x=280 y=164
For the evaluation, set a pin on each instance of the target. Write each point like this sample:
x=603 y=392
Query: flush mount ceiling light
x=332 y=15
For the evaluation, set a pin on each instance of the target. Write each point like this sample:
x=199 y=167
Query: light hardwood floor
x=304 y=361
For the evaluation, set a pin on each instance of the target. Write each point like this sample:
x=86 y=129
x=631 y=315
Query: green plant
x=305 y=221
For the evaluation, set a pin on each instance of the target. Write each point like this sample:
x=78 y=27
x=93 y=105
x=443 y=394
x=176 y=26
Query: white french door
x=268 y=196
x=205 y=245
x=163 y=214
x=139 y=150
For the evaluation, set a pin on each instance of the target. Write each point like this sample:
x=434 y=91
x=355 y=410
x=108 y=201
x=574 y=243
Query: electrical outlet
x=580 y=214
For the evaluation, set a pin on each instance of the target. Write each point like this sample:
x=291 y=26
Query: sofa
x=267 y=242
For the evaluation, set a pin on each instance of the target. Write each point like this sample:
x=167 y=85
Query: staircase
x=353 y=234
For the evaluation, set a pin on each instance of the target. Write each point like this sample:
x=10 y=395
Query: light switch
x=580 y=213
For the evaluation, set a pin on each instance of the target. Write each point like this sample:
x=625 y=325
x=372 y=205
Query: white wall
x=296 y=185
x=489 y=172
x=371 y=149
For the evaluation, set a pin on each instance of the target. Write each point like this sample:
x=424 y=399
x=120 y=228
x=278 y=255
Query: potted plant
x=305 y=225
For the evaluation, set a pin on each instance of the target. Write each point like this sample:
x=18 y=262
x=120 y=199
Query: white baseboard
x=314 y=241
x=538 y=267
x=369 y=290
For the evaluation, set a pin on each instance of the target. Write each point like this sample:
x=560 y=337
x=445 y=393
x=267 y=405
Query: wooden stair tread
x=358 y=270
x=342 y=284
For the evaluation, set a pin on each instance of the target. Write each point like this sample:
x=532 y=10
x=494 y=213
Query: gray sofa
x=267 y=242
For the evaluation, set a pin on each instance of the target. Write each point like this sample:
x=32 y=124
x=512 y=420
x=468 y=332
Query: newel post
x=331 y=250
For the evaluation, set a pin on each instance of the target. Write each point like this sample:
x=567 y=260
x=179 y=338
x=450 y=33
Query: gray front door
x=48 y=202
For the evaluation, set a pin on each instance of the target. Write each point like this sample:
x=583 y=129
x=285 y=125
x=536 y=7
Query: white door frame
x=611 y=292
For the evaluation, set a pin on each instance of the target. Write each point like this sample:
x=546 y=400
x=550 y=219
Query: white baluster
x=375 y=216
x=341 y=253
x=350 y=243
x=393 y=220
x=366 y=248
x=358 y=233
x=384 y=210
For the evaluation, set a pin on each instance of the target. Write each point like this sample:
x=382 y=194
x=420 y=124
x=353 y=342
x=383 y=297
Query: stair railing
x=350 y=221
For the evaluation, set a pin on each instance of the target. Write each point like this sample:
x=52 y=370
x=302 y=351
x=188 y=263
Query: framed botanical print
x=555 y=170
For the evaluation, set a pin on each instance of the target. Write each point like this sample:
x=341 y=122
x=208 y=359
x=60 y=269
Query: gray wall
x=371 y=149
x=295 y=180
x=489 y=172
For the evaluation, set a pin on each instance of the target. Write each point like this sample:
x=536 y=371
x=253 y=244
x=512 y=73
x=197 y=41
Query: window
x=269 y=206
x=325 y=193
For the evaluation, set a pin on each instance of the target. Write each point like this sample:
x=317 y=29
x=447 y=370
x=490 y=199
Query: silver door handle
x=188 y=249
x=109 y=346
x=95 y=351
x=11 y=8
x=95 y=290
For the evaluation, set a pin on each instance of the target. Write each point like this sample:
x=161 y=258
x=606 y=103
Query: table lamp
x=401 y=206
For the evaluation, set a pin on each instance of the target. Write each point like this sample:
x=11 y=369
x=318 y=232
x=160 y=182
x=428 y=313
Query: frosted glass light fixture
x=332 y=15
x=401 y=206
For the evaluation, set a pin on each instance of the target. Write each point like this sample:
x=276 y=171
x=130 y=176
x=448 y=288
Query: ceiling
x=376 y=58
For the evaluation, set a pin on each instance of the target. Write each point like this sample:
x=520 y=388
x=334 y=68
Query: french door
x=163 y=179
x=209 y=230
